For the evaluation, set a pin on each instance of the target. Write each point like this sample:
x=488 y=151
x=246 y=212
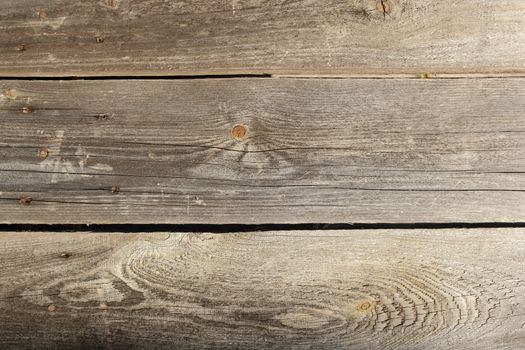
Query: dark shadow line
x=138 y=77
x=233 y=228
x=404 y=76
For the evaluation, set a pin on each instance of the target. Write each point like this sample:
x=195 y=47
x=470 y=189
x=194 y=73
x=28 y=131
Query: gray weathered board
x=315 y=150
x=328 y=125
x=377 y=289
x=152 y=37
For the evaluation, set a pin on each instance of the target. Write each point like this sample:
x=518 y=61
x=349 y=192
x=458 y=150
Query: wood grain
x=379 y=289
x=314 y=150
x=157 y=37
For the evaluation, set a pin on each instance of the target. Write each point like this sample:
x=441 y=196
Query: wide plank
x=224 y=151
x=375 y=289
x=158 y=37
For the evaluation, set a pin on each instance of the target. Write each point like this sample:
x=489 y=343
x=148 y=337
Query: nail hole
x=26 y=200
x=43 y=153
x=26 y=110
x=99 y=39
x=20 y=48
x=115 y=189
x=41 y=13
x=51 y=308
x=102 y=116
x=239 y=132
x=65 y=255
x=103 y=306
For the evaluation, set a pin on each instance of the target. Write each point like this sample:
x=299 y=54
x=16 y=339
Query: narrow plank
x=309 y=150
x=155 y=37
x=378 y=289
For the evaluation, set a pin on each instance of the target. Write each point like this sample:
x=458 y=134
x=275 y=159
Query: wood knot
x=26 y=200
x=43 y=153
x=115 y=189
x=51 y=308
x=364 y=306
x=26 y=110
x=239 y=132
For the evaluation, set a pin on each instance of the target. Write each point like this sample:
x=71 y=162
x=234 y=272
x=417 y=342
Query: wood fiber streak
x=380 y=289
x=157 y=37
x=262 y=151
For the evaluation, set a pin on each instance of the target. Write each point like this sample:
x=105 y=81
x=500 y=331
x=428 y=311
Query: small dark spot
x=20 y=48
x=43 y=152
x=41 y=13
x=99 y=39
x=102 y=116
x=239 y=132
x=26 y=110
x=26 y=200
x=65 y=255
x=115 y=189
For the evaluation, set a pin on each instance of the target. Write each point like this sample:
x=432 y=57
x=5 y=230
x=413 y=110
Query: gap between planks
x=275 y=76
x=243 y=228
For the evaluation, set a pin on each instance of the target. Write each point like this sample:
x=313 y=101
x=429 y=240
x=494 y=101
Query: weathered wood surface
x=315 y=150
x=416 y=289
x=130 y=37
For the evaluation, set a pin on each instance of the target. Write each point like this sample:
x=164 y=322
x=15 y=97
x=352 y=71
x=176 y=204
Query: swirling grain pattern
x=411 y=289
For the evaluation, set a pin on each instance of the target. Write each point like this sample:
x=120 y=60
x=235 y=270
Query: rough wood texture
x=137 y=37
x=314 y=150
x=427 y=290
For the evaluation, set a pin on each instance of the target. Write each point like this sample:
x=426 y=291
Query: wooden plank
x=314 y=150
x=118 y=37
x=377 y=289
